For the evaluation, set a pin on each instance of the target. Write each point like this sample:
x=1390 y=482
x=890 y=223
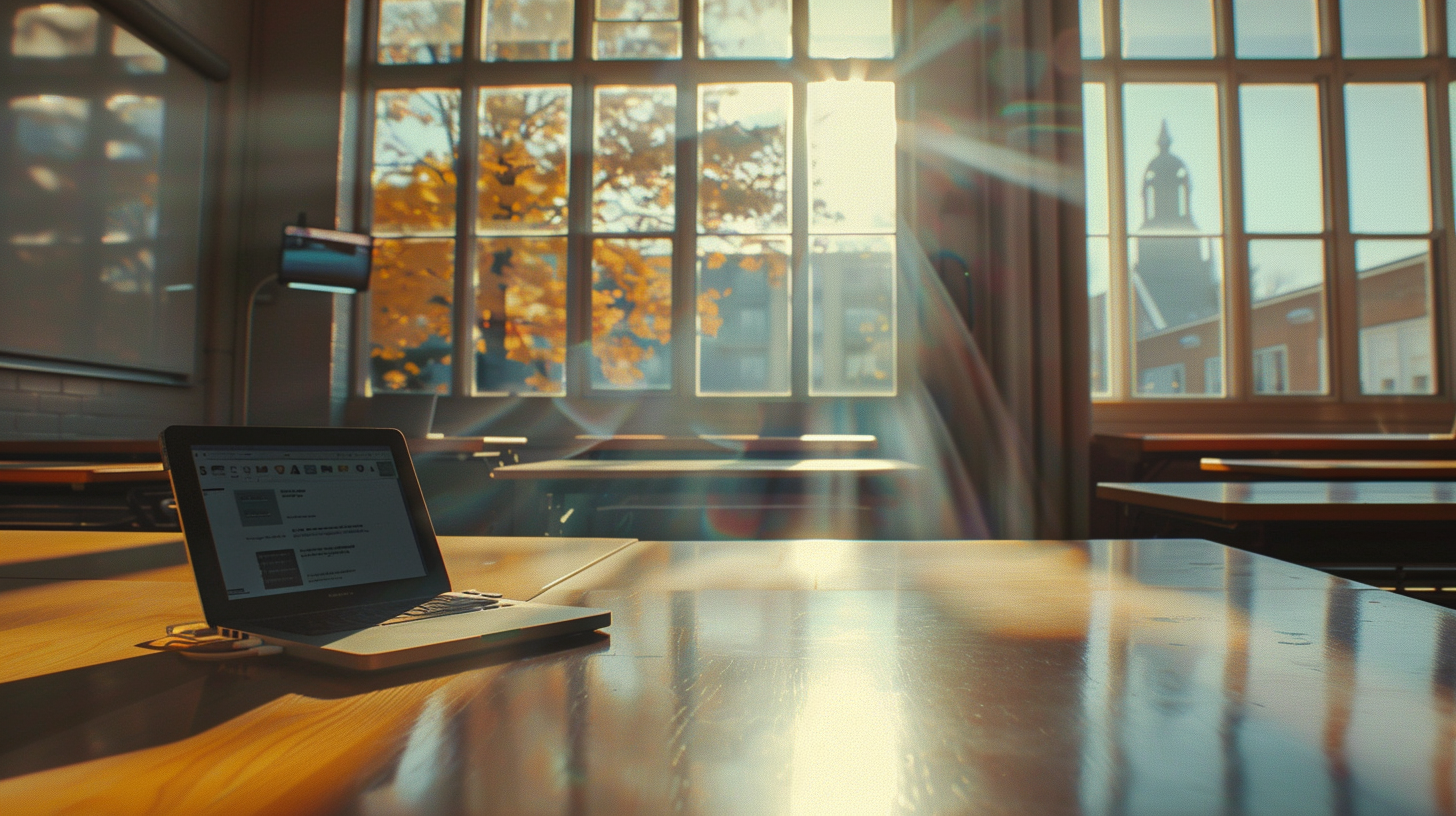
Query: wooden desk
x=518 y=567
x=1293 y=501
x=759 y=677
x=80 y=474
x=147 y=449
x=1327 y=469
x=730 y=443
x=1146 y=457
x=595 y=469
x=702 y=498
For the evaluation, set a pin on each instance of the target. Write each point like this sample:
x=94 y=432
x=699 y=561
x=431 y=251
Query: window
x=650 y=197
x=1263 y=184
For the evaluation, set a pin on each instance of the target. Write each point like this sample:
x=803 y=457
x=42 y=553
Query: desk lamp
x=317 y=260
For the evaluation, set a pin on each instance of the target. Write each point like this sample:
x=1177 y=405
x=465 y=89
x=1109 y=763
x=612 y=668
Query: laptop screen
x=303 y=517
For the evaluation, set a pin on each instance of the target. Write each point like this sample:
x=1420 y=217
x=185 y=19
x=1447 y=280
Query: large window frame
x=1119 y=407
x=582 y=73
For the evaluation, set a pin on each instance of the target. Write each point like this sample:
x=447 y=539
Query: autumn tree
x=520 y=321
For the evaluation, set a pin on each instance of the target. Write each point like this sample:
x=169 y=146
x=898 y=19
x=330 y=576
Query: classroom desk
x=677 y=469
x=689 y=498
x=752 y=444
x=1329 y=469
x=1293 y=501
x=1143 y=457
x=813 y=677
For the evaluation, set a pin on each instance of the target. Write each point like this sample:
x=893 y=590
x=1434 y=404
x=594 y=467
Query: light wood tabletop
x=517 y=566
x=816 y=677
x=1335 y=468
x=1244 y=442
x=701 y=468
x=731 y=443
x=1292 y=501
x=80 y=473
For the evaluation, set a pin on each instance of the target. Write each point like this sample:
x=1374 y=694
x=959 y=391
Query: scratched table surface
x=814 y=677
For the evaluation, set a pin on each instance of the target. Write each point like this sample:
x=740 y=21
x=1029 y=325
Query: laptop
x=317 y=540
x=412 y=414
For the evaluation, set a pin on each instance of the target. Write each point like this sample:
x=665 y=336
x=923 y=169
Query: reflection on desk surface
x=1334 y=468
x=716 y=468
x=813 y=677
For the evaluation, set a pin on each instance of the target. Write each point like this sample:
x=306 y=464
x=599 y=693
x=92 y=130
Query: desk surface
x=1227 y=442
x=1292 y=501
x=737 y=443
x=699 y=468
x=1335 y=468
x=80 y=474
x=802 y=676
x=147 y=449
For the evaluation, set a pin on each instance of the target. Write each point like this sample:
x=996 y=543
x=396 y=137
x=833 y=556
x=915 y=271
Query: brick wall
x=51 y=406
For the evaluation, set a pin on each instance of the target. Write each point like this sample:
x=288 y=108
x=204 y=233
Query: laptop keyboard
x=383 y=614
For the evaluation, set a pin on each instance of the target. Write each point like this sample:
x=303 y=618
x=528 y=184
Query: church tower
x=1174 y=280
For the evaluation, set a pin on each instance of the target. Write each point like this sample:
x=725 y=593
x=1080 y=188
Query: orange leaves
x=521 y=299
x=524 y=140
x=411 y=299
x=709 y=319
x=631 y=305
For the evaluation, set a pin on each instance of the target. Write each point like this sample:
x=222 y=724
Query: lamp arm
x=248 y=341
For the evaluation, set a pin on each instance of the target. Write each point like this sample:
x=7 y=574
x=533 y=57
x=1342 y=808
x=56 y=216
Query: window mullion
x=466 y=172
x=1344 y=357
x=1119 y=278
x=1444 y=300
x=1238 y=319
x=684 y=290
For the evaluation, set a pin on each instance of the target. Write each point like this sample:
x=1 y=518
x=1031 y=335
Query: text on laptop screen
x=295 y=518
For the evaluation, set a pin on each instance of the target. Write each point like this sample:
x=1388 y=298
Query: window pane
x=1393 y=280
x=1383 y=28
x=525 y=150
x=637 y=9
x=634 y=167
x=744 y=29
x=1099 y=320
x=131 y=170
x=47 y=179
x=1283 y=165
x=624 y=41
x=1452 y=91
x=1091 y=25
x=53 y=30
x=410 y=295
x=1176 y=292
x=520 y=316
x=136 y=56
x=1389 y=166
x=852 y=316
x=852 y=156
x=1167 y=28
x=415 y=135
x=1170 y=135
x=632 y=314
x=743 y=316
x=1094 y=144
x=841 y=29
x=1451 y=28
x=1276 y=29
x=526 y=30
x=420 y=31
x=743 y=167
x=1287 y=319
